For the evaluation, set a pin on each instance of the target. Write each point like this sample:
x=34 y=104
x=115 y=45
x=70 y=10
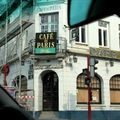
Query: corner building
x=53 y=75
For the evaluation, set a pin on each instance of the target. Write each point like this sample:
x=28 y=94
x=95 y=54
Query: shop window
x=115 y=89
x=82 y=90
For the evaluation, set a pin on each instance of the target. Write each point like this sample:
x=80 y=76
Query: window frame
x=103 y=33
x=47 y=26
x=93 y=88
x=119 y=35
x=81 y=35
x=114 y=87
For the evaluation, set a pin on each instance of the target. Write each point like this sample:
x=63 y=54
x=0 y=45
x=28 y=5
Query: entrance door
x=50 y=91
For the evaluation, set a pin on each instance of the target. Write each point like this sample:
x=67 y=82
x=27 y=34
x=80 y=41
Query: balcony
x=13 y=30
x=61 y=47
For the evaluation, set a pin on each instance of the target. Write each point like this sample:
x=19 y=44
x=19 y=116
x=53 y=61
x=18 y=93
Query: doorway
x=50 y=91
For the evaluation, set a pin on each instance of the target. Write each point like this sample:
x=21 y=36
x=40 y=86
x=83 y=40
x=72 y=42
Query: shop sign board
x=45 y=43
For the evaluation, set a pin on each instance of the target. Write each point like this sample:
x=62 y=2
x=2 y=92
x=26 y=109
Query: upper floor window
x=75 y=34
x=79 y=34
x=82 y=34
x=103 y=35
x=119 y=27
x=119 y=34
x=115 y=89
x=119 y=39
x=49 y=22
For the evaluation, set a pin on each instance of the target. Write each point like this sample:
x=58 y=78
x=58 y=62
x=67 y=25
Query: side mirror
x=81 y=12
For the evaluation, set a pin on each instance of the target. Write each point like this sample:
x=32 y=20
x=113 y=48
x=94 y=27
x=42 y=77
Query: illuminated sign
x=45 y=43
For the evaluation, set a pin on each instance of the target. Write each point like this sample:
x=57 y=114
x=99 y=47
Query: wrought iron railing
x=61 y=45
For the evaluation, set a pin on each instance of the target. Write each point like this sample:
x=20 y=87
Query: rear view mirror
x=81 y=12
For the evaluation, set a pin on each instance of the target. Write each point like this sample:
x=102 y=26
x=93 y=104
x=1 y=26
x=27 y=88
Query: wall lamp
x=74 y=59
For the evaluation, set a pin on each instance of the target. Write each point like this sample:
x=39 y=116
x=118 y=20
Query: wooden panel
x=82 y=95
x=115 y=96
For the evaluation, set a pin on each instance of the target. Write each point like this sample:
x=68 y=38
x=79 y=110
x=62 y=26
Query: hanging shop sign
x=45 y=43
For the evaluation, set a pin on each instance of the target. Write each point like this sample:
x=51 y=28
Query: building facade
x=46 y=60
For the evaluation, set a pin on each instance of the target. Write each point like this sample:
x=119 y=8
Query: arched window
x=23 y=84
x=22 y=87
x=115 y=89
x=82 y=90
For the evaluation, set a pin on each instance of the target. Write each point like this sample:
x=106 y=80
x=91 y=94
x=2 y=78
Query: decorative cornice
x=49 y=2
x=105 y=53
